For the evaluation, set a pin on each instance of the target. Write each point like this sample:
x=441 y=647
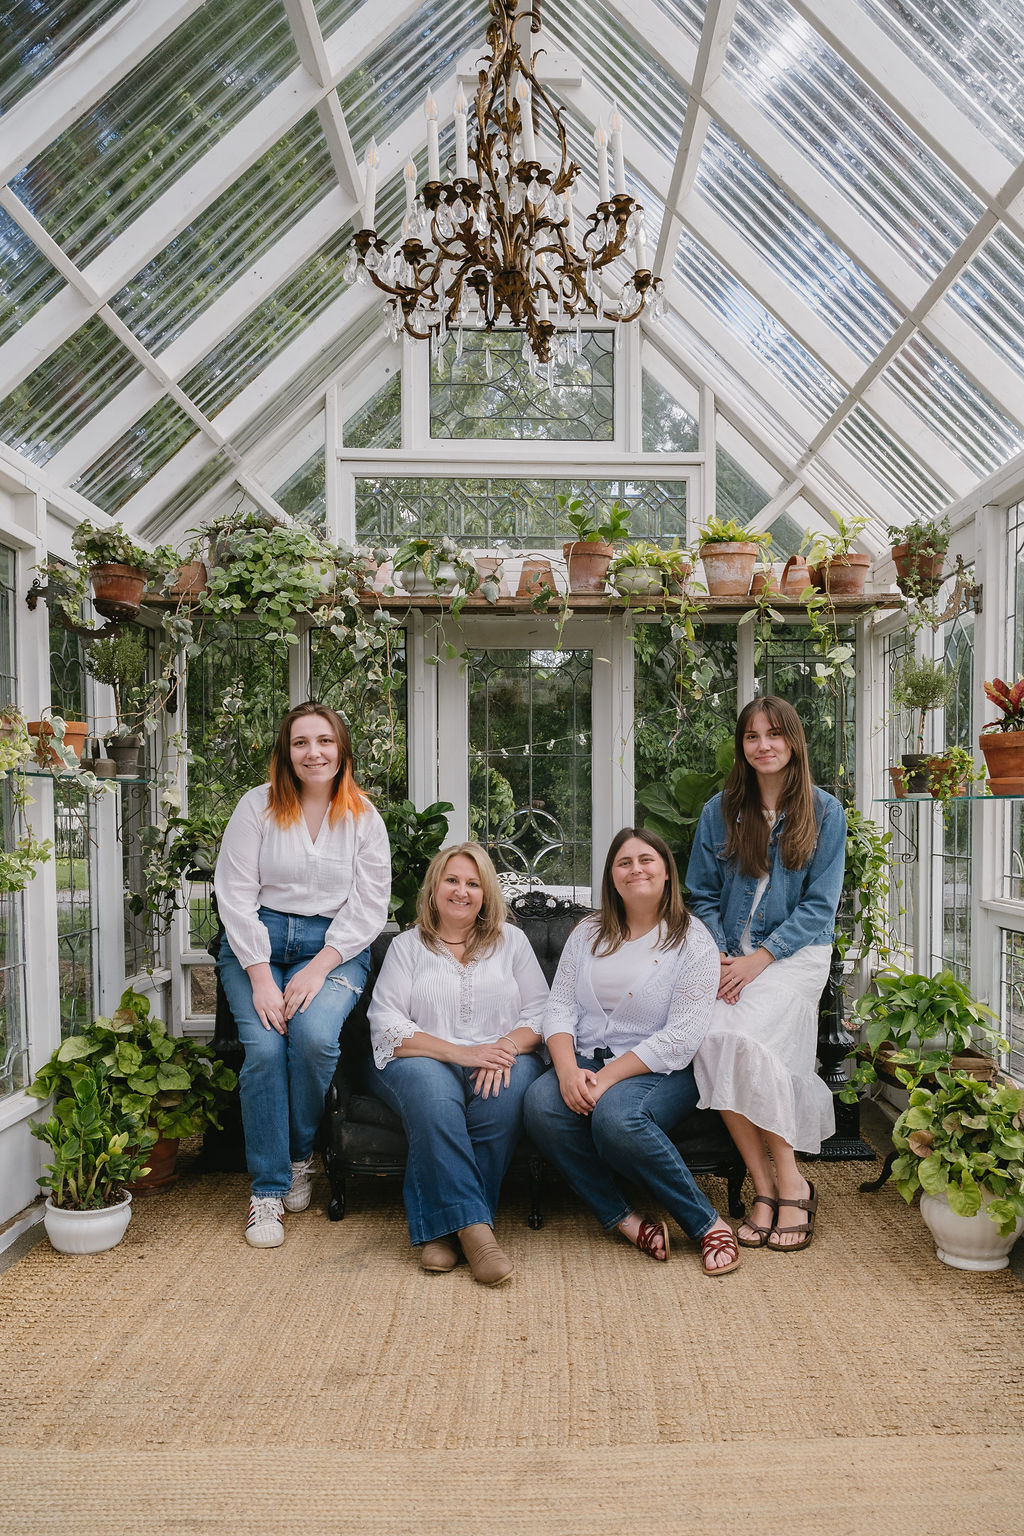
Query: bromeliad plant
x=964 y=1140
x=1008 y=698
x=173 y=1084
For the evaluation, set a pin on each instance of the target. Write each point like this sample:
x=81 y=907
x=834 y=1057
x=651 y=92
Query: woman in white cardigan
x=455 y=1025
x=630 y=1003
x=303 y=880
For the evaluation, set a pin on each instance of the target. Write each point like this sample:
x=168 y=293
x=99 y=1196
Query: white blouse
x=345 y=875
x=420 y=989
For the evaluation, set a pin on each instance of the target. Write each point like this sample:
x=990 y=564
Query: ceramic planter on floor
x=87 y=1231
x=162 y=1160
x=966 y=1242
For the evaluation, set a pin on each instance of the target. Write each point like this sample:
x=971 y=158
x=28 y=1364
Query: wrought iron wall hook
x=114 y=620
x=966 y=596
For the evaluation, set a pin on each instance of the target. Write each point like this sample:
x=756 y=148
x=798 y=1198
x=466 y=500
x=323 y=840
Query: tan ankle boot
x=485 y=1258
x=439 y=1256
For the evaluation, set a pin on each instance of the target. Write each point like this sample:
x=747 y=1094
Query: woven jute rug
x=184 y=1382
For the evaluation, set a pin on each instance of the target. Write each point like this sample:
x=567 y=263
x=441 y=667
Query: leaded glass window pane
x=490 y=392
x=1013 y=667
x=27 y=281
x=952 y=847
x=1011 y=1014
x=65 y=392
x=173 y=290
x=489 y=511
x=111 y=164
x=530 y=766
x=783 y=235
x=854 y=138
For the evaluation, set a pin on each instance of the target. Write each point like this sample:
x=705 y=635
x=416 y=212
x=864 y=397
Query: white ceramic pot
x=966 y=1242
x=418 y=583
x=638 y=580
x=87 y=1231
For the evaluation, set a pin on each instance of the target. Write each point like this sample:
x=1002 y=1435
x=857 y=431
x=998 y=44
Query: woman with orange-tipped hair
x=302 y=882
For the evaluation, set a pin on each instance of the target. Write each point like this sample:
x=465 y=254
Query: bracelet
x=511 y=1042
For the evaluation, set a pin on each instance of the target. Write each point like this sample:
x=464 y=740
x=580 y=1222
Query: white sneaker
x=298 y=1196
x=265 y=1227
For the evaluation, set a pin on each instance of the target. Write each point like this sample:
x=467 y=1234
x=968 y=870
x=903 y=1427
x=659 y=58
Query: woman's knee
x=543 y=1105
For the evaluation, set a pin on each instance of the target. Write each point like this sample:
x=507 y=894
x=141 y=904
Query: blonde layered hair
x=493 y=914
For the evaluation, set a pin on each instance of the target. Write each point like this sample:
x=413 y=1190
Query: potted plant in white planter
x=98 y=1149
x=962 y=1146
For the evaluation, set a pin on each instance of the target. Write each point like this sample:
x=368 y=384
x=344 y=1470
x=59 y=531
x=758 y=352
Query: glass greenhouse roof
x=834 y=189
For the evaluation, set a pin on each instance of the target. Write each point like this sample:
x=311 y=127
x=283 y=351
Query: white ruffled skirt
x=758 y=1057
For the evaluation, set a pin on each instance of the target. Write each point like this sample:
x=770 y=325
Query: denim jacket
x=799 y=906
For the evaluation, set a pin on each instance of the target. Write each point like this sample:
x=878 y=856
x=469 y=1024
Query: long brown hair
x=285 y=795
x=493 y=914
x=747 y=830
x=610 y=926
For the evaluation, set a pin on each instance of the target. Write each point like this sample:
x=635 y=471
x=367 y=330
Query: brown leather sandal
x=810 y=1205
x=718 y=1240
x=644 y=1239
x=763 y=1233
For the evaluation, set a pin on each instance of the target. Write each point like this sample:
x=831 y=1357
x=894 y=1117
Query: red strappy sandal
x=719 y=1240
x=649 y=1230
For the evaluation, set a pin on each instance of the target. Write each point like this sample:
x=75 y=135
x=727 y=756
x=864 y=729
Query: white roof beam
x=68 y=91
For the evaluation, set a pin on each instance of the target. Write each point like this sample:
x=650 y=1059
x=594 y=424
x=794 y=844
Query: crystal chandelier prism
x=496 y=245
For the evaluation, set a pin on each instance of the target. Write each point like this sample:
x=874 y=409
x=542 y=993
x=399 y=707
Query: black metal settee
x=359 y=1135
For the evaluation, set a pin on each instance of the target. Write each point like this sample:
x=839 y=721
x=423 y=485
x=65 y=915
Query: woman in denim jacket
x=765 y=876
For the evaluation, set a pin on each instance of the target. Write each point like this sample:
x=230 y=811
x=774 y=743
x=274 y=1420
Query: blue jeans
x=460 y=1145
x=285 y=1078
x=626 y=1133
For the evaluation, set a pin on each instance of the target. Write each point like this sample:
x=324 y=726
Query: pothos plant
x=865 y=926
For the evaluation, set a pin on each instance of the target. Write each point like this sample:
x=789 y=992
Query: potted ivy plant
x=279 y=573
x=118 y=567
x=26 y=853
x=589 y=553
x=961 y=1144
x=434 y=566
x=913 y=1026
x=951 y=774
x=728 y=552
x=1002 y=739
x=98 y=1149
x=920 y=686
x=919 y=552
x=172 y=1085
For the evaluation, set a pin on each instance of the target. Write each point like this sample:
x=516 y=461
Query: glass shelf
x=933 y=800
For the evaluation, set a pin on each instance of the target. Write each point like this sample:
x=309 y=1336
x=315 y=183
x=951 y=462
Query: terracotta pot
x=192 y=579
x=938 y=764
x=917 y=575
x=796 y=576
x=74 y=737
x=587 y=562
x=728 y=568
x=117 y=590
x=535 y=574
x=843 y=575
x=1004 y=758
x=898 y=774
x=488 y=568
x=163 y=1168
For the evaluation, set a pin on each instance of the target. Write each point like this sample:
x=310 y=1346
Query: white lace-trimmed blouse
x=420 y=989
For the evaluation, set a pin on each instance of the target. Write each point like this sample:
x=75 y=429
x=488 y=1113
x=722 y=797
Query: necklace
x=453 y=943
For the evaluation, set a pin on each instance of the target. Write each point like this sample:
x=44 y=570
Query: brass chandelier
x=496 y=245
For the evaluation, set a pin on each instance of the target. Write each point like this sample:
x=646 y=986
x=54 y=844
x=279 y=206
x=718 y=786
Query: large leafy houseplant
x=673 y=809
x=173 y=1084
x=913 y=1025
x=964 y=1140
x=98 y=1145
x=415 y=837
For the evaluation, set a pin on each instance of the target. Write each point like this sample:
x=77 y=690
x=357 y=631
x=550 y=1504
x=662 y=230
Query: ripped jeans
x=284 y=1078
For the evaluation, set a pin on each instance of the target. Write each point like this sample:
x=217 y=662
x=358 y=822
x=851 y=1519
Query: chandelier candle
x=496 y=244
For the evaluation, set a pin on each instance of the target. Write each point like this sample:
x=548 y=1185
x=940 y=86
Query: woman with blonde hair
x=766 y=875
x=302 y=883
x=455 y=1026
